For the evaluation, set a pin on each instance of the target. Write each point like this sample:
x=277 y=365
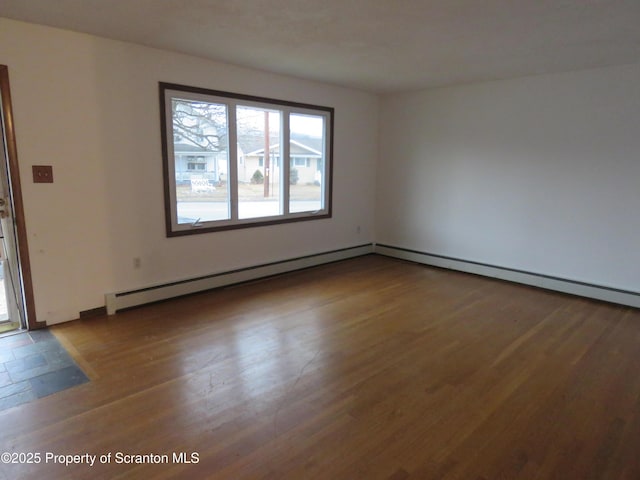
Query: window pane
x=306 y=177
x=200 y=146
x=259 y=166
x=266 y=176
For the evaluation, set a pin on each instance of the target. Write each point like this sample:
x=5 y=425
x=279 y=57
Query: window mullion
x=233 y=162
x=286 y=161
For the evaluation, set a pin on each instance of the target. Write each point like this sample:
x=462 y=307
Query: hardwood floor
x=370 y=368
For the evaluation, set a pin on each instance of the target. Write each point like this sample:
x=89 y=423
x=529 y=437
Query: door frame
x=16 y=203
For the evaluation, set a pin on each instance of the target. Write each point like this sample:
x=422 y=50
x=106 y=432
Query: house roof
x=254 y=144
x=183 y=147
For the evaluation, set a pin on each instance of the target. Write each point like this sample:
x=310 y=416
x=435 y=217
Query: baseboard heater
x=573 y=287
x=133 y=298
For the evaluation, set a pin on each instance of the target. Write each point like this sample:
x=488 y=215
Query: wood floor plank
x=368 y=368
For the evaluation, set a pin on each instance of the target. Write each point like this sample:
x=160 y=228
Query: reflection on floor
x=34 y=365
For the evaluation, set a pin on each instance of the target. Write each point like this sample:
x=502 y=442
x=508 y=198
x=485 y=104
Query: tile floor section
x=34 y=365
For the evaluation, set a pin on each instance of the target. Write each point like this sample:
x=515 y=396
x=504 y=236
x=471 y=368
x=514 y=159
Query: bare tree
x=200 y=123
x=204 y=124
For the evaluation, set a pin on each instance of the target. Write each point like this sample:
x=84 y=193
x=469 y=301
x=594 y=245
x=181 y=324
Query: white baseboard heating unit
x=133 y=298
x=573 y=287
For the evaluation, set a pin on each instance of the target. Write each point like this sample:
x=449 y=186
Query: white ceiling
x=375 y=45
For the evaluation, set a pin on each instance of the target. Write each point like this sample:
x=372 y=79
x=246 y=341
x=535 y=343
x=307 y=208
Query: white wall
x=540 y=174
x=89 y=107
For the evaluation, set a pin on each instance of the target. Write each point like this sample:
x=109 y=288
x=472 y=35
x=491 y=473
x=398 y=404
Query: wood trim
x=245 y=223
x=239 y=96
x=18 y=206
x=165 y=162
x=93 y=313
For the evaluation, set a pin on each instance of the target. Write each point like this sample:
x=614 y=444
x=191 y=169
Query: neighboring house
x=305 y=151
x=306 y=158
x=192 y=160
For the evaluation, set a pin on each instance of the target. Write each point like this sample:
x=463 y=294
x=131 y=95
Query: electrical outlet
x=137 y=262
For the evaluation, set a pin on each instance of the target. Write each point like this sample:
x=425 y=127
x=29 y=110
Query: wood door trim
x=18 y=206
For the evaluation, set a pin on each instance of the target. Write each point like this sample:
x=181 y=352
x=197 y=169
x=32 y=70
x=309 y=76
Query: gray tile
x=20 y=375
x=41 y=335
x=26 y=363
x=46 y=345
x=58 y=380
x=14 y=388
x=5 y=379
x=6 y=355
x=17 y=399
x=58 y=359
x=13 y=341
x=34 y=365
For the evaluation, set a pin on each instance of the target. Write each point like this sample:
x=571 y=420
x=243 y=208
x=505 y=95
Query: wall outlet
x=137 y=262
x=358 y=229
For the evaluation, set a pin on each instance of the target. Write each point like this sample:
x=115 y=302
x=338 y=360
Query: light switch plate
x=42 y=173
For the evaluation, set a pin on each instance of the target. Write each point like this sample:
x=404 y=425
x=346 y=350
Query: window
x=239 y=140
x=196 y=163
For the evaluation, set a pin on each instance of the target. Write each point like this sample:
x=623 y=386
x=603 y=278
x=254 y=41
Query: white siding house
x=306 y=158
x=191 y=160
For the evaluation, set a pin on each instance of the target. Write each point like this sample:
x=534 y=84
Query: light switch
x=42 y=173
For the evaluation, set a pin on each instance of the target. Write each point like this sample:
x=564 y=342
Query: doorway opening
x=17 y=310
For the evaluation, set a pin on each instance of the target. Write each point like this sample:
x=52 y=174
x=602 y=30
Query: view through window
x=234 y=161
